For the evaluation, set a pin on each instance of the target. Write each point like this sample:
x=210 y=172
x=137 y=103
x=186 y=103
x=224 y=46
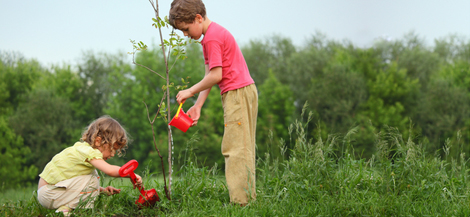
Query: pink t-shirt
x=220 y=49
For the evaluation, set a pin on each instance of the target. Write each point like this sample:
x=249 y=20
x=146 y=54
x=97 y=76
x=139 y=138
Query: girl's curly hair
x=112 y=134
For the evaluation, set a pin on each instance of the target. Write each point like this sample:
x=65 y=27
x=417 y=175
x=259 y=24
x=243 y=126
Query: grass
x=399 y=180
x=17 y=194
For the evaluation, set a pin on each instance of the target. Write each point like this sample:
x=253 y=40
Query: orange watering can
x=181 y=120
x=147 y=198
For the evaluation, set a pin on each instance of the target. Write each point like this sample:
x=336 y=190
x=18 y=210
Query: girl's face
x=107 y=150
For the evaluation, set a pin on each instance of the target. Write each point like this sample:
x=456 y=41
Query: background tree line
x=401 y=83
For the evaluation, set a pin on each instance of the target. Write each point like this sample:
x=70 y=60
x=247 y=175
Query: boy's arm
x=203 y=94
x=211 y=78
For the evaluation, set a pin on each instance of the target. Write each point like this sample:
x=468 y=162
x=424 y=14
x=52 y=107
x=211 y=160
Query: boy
x=225 y=66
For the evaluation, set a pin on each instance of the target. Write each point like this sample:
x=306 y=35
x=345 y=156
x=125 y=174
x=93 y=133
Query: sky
x=58 y=32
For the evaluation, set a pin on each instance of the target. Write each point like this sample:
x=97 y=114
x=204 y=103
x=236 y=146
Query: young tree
x=175 y=46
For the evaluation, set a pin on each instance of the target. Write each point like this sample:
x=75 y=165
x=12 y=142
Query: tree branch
x=133 y=61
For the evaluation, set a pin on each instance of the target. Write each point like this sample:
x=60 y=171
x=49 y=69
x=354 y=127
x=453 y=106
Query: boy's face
x=192 y=30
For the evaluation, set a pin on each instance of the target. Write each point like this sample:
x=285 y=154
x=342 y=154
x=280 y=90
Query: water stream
x=171 y=152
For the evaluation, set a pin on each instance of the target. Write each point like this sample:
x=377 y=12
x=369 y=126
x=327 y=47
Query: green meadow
x=323 y=177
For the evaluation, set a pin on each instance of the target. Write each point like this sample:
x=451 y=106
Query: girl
x=70 y=177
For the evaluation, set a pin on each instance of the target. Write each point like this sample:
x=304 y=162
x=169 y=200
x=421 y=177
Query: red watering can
x=147 y=198
x=181 y=120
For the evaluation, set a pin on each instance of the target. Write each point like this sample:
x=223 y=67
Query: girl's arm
x=108 y=169
x=111 y=170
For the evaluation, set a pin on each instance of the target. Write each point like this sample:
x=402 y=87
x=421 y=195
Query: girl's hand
x=138 y=181
x=110 y=190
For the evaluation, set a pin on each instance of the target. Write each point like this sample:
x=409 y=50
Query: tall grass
x=321 y=177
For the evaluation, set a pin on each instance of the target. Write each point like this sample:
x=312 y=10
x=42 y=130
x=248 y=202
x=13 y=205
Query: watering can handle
x=179 y=109
x=128 y=169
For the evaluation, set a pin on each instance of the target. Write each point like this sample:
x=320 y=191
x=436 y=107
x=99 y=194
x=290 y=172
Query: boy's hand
x=194 y=112
x=183 y=95
x=110 y=190
x=138 y=181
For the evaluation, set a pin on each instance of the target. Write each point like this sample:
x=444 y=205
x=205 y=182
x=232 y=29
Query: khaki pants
x=238 y=144
x=71 y=192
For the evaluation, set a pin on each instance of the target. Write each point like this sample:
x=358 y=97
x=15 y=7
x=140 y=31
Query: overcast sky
x=56 y=32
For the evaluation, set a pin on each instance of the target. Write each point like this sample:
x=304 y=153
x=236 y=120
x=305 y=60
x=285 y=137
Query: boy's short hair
x=185 y=11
